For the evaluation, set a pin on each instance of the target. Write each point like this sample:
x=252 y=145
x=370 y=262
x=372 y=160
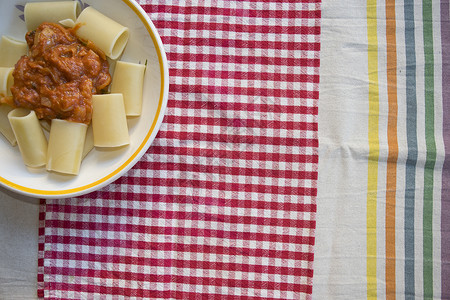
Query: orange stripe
x=391 y=175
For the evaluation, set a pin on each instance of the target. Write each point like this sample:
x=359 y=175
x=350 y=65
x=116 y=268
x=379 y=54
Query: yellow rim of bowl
x=133 y=156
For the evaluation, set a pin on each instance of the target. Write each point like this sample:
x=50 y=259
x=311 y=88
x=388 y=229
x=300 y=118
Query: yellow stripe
x=373 y=149
x=133 y=156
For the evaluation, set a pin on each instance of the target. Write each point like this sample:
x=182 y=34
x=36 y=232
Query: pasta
x=65 y=146
x=128 y=79
x=69 y=23
x=89 y=142
x=30 y=137
x=11 y=50
x=109 y=123
x=59 y=75
x=6 y=81
x=111 y=39
x=5 y=127
x=70 y=139
x=39 y=12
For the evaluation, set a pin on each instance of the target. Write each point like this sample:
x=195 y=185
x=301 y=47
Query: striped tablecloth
x=383 y=210
x=222 y=206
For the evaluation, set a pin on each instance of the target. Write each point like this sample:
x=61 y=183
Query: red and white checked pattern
x=222 y=206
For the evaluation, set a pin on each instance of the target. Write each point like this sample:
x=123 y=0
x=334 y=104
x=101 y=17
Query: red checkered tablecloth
x=222 y=206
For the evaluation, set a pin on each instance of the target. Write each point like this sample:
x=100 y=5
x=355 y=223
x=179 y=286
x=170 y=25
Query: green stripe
x=431 y=150
x=411 y=127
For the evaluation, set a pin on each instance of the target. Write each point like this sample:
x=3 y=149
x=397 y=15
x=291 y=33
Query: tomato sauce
x=59 y=75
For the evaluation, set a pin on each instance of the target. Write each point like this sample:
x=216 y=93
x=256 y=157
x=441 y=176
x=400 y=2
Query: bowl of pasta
x=83 y=91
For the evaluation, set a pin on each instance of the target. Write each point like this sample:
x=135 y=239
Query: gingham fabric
x=222 y=206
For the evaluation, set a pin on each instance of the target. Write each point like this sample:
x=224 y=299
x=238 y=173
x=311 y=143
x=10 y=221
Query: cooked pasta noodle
x=128 y=79
x=11 y=50
x=5 y=127
x=108 y=35
x=6 y=81
x=65 y=146
x=89 y=142
x=30 y=137
x=109 y=122
x=39 y=12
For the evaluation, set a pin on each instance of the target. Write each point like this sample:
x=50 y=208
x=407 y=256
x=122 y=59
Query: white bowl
x=99 y=168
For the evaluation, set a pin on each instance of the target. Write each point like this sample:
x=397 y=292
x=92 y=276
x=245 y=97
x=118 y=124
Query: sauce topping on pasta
x=59 y=76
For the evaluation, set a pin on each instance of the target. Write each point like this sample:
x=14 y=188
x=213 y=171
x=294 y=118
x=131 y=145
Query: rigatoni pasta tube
x=109 y=122
x=68 y=23
x=6 y=81
x=38 y=12
x=128 y=79
x=107 y=35
x=5 y=127
x=11 y=50
x=88 y=142
x=65 y=146
x=30 y=137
